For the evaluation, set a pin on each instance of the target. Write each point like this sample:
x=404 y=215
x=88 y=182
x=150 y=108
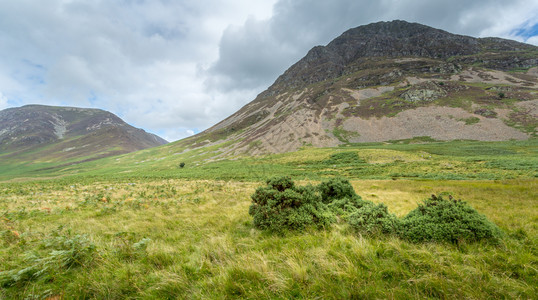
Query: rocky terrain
x=43 y=133
x=390 y=81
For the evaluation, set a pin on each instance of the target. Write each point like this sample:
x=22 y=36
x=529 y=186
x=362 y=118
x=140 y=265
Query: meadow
x=114 y=229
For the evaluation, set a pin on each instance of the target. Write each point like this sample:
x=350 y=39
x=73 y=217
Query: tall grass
x=175 y=238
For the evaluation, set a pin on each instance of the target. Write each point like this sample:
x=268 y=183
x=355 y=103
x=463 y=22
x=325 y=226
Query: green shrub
x=449 y=220
x=373 y=219
x=283 y=206
x=336 y=188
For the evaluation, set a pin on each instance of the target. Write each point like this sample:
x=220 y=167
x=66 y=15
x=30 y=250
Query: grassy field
x=117 y=229
x=458 y=160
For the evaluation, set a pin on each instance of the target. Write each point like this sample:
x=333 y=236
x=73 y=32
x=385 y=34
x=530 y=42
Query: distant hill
x=67 y=135
x=389 y=81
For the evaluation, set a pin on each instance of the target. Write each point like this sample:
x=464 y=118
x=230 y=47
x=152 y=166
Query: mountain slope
x=390 y=81
x=66 y=135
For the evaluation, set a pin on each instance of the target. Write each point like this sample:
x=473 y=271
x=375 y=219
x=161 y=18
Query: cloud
x=178 y=67
x=533 y=40
x=3 y=101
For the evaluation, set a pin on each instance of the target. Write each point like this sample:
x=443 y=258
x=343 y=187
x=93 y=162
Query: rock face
x=68 y=132
x=389 y=81
x=424 y=92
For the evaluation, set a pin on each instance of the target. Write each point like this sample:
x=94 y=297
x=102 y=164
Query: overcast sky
x=175 y=68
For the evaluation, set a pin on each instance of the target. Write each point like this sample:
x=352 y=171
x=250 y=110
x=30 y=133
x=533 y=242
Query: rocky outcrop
x=423 y=92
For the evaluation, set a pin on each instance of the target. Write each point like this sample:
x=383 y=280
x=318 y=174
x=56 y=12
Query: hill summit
x=38 y=133
x=389 y=81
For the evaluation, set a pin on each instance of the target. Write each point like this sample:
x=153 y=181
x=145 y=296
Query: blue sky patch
x=527 y=31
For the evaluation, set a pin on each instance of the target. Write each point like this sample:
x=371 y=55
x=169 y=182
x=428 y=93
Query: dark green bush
x=373 y=219
x=449 y=220
x=283 y=206
x=336 y=188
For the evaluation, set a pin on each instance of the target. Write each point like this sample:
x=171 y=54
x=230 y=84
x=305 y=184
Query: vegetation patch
x=344 y=158
x=63 y=252
x=470 y=120
x=523 y=120
x=485 y=112
x=344 y=135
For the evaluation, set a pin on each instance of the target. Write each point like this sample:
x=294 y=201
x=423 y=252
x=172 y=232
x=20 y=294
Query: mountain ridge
x=36 y=133
x=386 y=77
x=394 y=39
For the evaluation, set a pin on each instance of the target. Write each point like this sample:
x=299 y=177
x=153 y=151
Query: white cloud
x=178 y=67
x=3 y=101
x=532 y=40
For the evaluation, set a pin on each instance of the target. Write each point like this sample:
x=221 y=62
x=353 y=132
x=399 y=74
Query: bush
x=336 y=188
x=373 y=219
x=449 y=220
x=282 y=206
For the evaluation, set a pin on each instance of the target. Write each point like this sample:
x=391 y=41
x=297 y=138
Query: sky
x=177 y=67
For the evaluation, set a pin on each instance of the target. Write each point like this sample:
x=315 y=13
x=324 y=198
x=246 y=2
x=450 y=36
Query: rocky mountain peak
x=346 y=53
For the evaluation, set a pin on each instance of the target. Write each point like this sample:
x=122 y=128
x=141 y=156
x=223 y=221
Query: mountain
x=67 y=135
x=390 y=81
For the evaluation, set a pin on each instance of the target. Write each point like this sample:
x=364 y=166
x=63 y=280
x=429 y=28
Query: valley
x=93 y=208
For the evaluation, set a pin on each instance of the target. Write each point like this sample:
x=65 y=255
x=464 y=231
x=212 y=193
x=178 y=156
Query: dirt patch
x=492 y=77
x=441 y=123
x=298 y=129
x=530 y=106
x=533 y=71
